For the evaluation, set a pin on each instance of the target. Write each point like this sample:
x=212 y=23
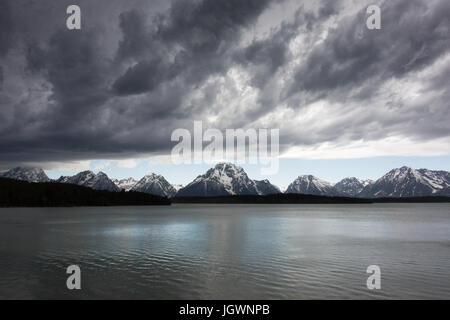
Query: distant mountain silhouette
x=16 y=193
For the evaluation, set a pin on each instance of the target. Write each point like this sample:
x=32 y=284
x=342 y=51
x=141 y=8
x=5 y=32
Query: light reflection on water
x=227 y=252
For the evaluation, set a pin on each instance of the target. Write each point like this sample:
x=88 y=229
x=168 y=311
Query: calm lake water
x=227 y=251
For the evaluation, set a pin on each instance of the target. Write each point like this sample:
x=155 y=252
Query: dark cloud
x=266 y=56
x=137 y=38
x=7 y=27
x=203 y=28
x=142 y=77
x=78 y=74
x=191 y=41
x=35 y=57
x=139 y=69
x=413 y=36
x=87 y=113
x=1 y=77
x=273 y=51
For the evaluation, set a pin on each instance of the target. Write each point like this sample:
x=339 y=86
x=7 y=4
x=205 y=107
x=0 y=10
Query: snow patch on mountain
x=125 y=184
x=177 y=187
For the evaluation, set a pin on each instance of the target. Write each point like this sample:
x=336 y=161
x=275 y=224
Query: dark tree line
x=15 y=193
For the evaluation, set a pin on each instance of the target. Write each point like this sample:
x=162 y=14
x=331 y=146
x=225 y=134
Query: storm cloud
x=139 y=69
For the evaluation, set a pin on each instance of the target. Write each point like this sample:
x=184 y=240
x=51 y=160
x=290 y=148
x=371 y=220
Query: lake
x=227 y=251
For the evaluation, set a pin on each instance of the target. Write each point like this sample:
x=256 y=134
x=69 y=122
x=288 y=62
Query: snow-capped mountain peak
x=308 y=184
x=154 y=184
x=351 y=186
x=26 y=174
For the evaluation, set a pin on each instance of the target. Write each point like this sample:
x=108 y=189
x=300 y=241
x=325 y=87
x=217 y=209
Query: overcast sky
x=139 y=69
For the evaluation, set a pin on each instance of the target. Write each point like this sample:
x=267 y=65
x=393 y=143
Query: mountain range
x=228 y=179
x=408 y=182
